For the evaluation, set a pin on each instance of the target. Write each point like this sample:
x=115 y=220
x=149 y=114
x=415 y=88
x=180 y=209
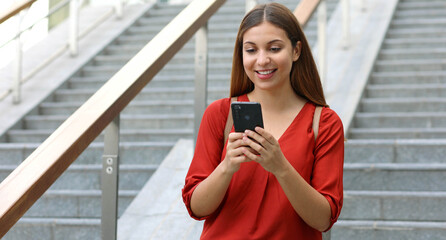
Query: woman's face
x=268 y=56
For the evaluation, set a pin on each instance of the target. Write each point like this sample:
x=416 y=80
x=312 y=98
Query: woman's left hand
x=269 y=156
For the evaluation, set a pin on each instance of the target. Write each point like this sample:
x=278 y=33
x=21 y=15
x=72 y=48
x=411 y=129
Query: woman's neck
x=276 y=100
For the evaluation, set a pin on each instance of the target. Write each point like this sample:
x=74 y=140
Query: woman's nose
x=263 y=58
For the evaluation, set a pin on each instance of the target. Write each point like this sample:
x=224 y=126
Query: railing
x=19 y=10
x=27 y=183
x=37 y=173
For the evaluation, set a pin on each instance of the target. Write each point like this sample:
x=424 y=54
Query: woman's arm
x=209 y=194
x=311 y=205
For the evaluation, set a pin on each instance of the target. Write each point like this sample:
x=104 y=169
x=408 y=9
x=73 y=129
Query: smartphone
x=246 y=115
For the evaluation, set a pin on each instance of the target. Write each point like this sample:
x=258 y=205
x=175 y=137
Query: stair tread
x=376 y=224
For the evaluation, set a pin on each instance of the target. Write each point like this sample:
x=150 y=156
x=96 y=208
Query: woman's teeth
x=265 y=72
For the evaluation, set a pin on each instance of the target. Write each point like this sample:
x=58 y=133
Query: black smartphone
x=246 y=115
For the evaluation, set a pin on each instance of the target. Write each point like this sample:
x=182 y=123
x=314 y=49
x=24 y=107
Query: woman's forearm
x=311 y=206
x=209 y=194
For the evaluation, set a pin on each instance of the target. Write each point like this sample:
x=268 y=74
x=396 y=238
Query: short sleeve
x=208 y=149
x=328 y=167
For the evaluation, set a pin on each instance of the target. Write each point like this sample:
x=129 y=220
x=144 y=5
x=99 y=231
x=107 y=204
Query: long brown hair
x=304 y=77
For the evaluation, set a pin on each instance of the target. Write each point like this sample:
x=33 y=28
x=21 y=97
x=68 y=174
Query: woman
x=292 y=187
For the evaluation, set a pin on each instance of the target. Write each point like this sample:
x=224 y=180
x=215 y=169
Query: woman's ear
x=297 y=51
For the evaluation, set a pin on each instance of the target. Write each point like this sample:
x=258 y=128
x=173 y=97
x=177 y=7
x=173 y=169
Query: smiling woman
x=268 y=56
x=290 y=186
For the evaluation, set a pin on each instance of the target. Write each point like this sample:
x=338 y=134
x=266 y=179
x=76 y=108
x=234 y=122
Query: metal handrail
x=72 y=44
x=15 y=9
x=27 y=183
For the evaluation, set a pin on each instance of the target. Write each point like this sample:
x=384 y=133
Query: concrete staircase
x=395 y=164
x=160 y=115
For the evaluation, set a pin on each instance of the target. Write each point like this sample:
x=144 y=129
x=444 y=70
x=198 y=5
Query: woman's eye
x=250 y=50
x=275 y=49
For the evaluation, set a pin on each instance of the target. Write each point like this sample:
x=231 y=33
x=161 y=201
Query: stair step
x=411 y=65
x=159 y=81
x=395 y=230
x=428 y=54
x=406 y=90
x=135 y=107
x=395 y=120
x=415 y=43
x=395 y=176
x=125 y=135
x=409 y=77
x=185 y=58
x=420 y=13
x=110 y=70
x=138 y=153
x=397 y=133
x=432 y=23
x=55 y=228
x=76 y=203
x=88 y=177
x=421 y=5
x=394 y=205
x=416 y=33
x=142 y=121
x=403 y=104
x=164 y=94
x=425 y=151
x=187 y=48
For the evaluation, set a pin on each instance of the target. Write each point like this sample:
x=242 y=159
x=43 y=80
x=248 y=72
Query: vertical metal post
x=17 y=82
x=201 y=72
x=363 y=6
x=110 y=180
x=345 y=23
x=250 y=4
x=119 y=8
x=74 y=27
x=322 y=39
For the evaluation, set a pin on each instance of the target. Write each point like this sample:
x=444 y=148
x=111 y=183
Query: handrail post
x=250 y=4
x=74 y=27
x=201 y=70
x=322 y=39
x=345 y=23
x=110 y=180
x=17 y=82
x=119 y=8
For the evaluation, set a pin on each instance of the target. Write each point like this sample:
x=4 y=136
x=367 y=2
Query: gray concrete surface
x=42 y=84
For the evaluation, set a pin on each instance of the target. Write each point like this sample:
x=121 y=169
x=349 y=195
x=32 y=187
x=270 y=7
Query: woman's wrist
x=284 y=171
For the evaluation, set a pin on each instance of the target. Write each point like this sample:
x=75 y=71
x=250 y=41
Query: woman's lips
x=265 y=74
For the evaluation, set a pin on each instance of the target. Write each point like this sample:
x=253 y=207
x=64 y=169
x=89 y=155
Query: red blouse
x=255 y=206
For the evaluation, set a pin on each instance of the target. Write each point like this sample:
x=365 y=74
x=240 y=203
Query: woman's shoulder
x=329 y=118
x=220 y=106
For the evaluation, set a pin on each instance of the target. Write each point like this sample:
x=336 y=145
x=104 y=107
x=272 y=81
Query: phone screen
x=246 y=115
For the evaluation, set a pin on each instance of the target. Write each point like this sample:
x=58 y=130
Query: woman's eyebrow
x=275 y=40
x=270 y=42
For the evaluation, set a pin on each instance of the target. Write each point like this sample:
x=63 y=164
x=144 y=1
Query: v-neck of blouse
x=244 y=98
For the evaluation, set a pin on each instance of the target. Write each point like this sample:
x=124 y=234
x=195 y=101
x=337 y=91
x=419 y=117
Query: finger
x=234 y=136
x=258 y=148
x=240 y=159
x=235 y=152
x=251 y=156
x=258 y=138
x=268 y=136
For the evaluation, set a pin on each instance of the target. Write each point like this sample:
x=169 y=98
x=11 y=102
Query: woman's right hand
x=234 y=153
